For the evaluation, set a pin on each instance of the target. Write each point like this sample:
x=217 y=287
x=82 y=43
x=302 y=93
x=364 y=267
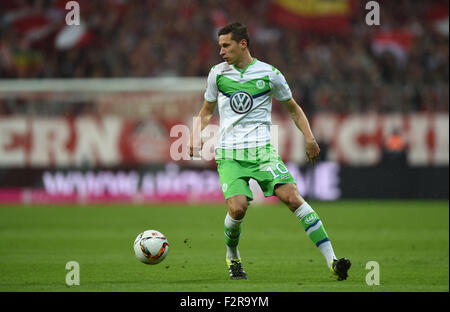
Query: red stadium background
x=88 y=113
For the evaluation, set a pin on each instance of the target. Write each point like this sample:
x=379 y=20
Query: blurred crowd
x=402 y=65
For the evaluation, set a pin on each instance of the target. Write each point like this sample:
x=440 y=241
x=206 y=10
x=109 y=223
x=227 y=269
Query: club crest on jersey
x=260 y=84
x=241 y=102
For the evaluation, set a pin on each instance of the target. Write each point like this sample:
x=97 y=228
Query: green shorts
x=263 y=164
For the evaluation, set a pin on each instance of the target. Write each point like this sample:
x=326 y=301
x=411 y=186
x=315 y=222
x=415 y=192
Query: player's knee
x=237 y=209
x=293 y=201
x=289 y=195
x=238 y=215
x=238 y=212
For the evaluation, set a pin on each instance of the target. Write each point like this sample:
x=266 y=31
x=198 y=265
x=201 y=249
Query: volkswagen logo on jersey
x=241 y=102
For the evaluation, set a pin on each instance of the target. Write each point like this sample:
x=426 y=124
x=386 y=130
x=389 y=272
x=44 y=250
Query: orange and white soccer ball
x=151 y=247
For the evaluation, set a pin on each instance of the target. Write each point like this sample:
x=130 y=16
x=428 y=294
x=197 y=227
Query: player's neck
x=244 y=61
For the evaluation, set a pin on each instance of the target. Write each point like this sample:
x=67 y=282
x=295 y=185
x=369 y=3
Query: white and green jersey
x=244 y=98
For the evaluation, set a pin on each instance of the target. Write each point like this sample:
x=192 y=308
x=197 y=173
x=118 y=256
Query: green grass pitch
x=409 y=240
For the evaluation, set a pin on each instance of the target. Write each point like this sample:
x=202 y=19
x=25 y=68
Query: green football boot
x=235 y=268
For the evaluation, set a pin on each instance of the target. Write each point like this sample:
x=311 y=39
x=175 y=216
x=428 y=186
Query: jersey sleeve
x=211 y=87
x=280 y=87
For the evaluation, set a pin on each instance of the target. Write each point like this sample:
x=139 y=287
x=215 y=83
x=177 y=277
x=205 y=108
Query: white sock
x=232 y=224
x=304 y=213
x=303 y=210
x=327 y=251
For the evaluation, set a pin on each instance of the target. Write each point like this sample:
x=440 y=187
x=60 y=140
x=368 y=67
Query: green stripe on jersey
x=254 y=86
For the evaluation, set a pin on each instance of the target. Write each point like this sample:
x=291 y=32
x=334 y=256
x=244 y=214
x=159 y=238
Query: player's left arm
x=299 y=117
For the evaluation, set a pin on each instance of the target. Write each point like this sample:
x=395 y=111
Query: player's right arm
x=206 y=112
x=202 y=120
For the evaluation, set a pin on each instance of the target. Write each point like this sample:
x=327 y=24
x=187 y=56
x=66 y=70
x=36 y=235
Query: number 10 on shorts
x=279 y=170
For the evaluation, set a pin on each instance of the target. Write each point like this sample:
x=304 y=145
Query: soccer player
x=243 y=87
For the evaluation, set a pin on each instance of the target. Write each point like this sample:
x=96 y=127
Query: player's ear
x=243 y=43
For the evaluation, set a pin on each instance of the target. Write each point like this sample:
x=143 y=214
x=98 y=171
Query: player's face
x=230 y=50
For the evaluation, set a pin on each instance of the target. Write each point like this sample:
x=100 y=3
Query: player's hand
x=312 y=150
x=194 y=150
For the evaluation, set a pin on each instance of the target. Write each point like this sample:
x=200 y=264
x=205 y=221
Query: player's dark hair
x=238 y=32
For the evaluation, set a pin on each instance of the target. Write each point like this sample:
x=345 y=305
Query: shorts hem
x=273 y=191
x=248 y=197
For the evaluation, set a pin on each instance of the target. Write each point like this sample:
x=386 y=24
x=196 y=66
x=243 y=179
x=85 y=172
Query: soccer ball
x=151 y=247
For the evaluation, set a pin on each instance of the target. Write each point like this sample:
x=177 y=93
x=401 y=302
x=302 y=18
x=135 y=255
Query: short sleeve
x=211 y=87
x=280 y=87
